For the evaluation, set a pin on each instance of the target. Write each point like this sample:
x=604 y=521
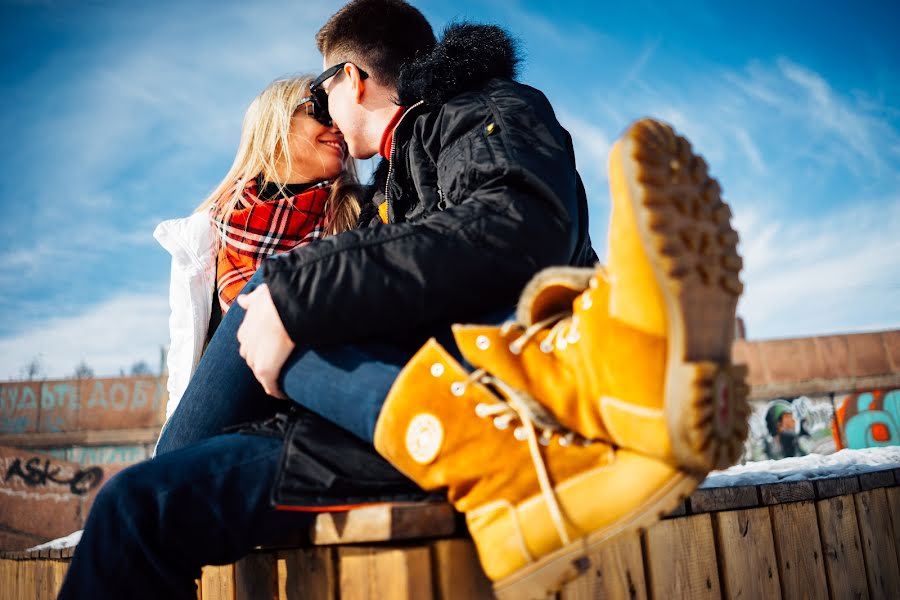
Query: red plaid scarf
x=258 y=228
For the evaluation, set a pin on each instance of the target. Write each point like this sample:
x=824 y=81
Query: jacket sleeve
x=511 y=191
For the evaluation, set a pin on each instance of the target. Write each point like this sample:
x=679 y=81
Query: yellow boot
x=638 y=353
x=537 y=499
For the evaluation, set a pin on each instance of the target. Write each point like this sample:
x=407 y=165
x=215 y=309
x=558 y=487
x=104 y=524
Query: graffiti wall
x=823 y=425
x=41 y=497
x=47 y=485
x=79 y=405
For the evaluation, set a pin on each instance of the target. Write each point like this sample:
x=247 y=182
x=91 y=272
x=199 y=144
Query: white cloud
x=109 y=336
x=823 y=275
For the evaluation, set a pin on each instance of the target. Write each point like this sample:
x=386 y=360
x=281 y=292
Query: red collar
x=388 y=137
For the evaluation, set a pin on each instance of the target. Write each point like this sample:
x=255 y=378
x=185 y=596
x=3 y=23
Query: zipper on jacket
x=387 y=183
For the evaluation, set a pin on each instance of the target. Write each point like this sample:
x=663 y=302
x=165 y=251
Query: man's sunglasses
x=318 y=99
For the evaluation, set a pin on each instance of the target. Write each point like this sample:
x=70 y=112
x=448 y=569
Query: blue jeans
x=345 y=384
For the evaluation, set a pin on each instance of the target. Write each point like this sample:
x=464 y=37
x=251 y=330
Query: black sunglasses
x=319 y=99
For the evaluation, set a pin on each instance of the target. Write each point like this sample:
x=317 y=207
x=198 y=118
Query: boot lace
x=563 y=324
x=563 y=331
x=534 y=418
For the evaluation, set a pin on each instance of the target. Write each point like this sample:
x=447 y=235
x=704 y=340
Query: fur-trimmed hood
x=467 y=56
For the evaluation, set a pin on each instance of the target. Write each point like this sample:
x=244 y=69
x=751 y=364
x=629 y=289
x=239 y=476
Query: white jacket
x=192 y=243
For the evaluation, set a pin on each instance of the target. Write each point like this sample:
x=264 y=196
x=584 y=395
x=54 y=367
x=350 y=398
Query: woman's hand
x=264 y=343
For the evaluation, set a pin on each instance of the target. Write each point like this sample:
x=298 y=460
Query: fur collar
x=467 y=57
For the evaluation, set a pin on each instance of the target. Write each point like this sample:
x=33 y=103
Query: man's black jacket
x=482 y=193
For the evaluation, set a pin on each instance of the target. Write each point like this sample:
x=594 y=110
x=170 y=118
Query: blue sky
x=117 y=115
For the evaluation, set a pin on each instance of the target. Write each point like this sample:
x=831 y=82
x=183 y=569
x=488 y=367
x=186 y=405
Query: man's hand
x=264 y=343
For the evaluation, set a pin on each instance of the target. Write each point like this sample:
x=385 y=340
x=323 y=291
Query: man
x=595 y=409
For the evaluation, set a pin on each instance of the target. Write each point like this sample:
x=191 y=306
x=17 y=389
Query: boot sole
x=546 y=576
x=684 y=227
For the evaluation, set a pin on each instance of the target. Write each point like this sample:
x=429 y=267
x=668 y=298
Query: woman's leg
x=222 y=391
x=344 y=383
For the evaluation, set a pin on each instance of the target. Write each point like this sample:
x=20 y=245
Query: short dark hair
x=383 y=35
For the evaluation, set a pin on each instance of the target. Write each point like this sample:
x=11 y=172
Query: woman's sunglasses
x=318 y=99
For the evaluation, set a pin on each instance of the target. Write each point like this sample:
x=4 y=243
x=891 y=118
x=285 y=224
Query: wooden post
x=877 y=534
x=217 y=583
x=747 y=554
x=385 y=573
x=841 y=547
x=798 y=550
x=617 y=572
x=307 y=574
x=256 y=577
x=458 y=573
x=681 y=559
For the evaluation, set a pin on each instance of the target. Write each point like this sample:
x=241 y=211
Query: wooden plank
x=746 y=551
x=458 y=572
x=256 y=577
x=385 y=573
x=879 y=549
x=307 y=574
x=837 y=486
x=842 y=548
x=793 y=491
x=42 y=580
x=385 y=522
x=876 y=479
x=724 y=498
x=103 y=437
x=681 y=559
x=27 y=579
x=617 y=572
x=60 y=568
x=9 y=580
x=801 y=567
x=893 y=496
x=217 y=583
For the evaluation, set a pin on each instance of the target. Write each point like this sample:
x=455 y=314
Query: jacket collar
x=467 y=57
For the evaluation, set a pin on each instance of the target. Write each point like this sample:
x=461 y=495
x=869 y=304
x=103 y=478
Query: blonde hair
x=264 y=142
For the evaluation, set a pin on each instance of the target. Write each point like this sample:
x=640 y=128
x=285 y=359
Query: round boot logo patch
x=424 y=437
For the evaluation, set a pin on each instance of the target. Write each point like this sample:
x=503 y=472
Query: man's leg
x=154 y=525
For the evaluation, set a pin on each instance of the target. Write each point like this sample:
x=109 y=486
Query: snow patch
x=70 y=541
x=803 y=468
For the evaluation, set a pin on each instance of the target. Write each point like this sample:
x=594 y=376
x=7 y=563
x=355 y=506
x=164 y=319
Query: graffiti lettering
x=37 y=474
x=869 y=419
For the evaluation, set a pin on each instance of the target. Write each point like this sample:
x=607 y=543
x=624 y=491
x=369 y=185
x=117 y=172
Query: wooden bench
x=828 y=538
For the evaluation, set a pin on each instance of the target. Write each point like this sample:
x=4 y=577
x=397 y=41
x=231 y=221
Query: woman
x=292 y=182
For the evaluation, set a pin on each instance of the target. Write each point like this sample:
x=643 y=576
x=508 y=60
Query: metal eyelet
x=482 y=342
x=458 y=388
x=437 y=369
